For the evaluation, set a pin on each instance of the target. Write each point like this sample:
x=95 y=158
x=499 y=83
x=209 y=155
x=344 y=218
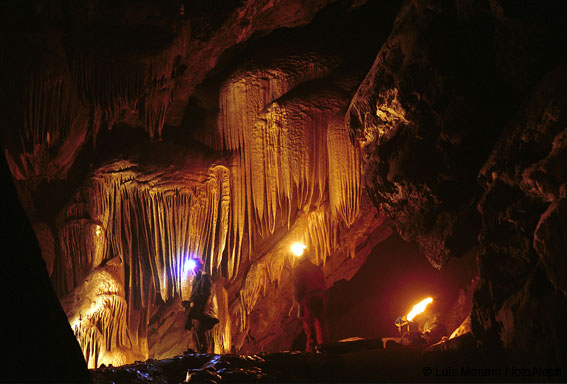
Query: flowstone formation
x=124 y=183
x=155 y=211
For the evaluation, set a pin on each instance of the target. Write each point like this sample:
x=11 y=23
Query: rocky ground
x=354 y=365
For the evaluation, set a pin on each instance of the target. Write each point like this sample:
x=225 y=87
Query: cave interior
x=414 y=147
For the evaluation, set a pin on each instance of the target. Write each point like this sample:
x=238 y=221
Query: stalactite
x=51 y=115
x=154 y=224
x=107 y=84
x=117 y=83
x=237 y=218
x=155 y=108
x=344 y=172
x=243 y=96
x=319 y=234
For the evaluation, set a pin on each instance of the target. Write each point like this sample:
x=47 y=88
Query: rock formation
x=451 y=126
x=141 y=135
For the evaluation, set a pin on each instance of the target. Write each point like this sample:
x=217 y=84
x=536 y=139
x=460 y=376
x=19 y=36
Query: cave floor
x=377 y=365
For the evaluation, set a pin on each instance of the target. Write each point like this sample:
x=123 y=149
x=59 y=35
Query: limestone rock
x=430 y=109
x=522 y=262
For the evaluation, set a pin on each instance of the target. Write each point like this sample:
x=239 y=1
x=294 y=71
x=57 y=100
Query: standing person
x=202 y=311
x=309 y=289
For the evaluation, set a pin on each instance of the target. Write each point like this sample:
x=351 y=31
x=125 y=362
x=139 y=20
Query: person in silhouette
x=309 y=291
x=202 y=315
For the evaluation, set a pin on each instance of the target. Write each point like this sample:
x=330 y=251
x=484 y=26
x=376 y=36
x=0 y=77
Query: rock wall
x=452 y=125
x=522 y=294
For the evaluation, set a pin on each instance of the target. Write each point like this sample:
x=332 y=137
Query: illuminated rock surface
x=443 y=87
x=142 y=134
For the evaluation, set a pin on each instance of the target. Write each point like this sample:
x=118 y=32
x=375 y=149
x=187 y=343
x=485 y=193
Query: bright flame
x=418 y=308
x=298 y=248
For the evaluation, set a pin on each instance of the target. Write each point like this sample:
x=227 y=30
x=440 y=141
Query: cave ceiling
x=142 y=134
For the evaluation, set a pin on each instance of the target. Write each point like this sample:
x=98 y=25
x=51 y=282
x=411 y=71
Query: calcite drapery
x=154 y=219
x=133 y=83
x=243 y=97
x=54 y=123
x=148 y=213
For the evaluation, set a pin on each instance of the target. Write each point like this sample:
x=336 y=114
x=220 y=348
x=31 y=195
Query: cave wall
x=461 y=127
x=145 y=133
x=523 y=235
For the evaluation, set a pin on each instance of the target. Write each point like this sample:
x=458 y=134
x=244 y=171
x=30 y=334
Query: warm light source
x=418 y=308
x=298 y=248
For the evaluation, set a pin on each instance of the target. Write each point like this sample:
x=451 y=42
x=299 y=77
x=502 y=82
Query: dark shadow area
x=38 y=343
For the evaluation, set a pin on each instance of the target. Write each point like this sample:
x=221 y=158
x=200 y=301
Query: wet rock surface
x=461 y=364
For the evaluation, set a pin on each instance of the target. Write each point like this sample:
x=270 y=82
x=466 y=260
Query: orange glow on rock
x=419 y=308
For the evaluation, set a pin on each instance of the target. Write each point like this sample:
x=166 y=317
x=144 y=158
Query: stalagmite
x=83 y=248
x=97 y=313
x=222 y=332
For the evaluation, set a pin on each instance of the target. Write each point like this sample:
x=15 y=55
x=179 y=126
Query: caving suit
x=202 y=310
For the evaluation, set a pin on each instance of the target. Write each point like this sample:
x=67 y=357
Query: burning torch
x=406 y=324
